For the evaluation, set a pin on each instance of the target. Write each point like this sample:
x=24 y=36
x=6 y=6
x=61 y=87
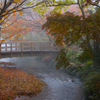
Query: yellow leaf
x=17 y=1
x=21 y=13
x=4 y=25
x=10 y=37
x=7 y=24
x=3 y=40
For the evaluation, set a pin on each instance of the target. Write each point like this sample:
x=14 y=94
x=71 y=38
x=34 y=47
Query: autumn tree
x=28 y=24
x=12 y=8
x=8 y=7
x=17 y=30
x=20 y=24
x=69 y=28
x=62 y=6
x=36 y=21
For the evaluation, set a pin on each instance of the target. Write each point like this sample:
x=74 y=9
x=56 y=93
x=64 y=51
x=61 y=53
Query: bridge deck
x=30 y=48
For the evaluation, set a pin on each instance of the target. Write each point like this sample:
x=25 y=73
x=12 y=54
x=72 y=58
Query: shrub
x=92 y=86
x=14 y=82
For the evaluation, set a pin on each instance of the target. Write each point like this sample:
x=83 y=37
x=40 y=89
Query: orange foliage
x=15 y=82
x=16 y=30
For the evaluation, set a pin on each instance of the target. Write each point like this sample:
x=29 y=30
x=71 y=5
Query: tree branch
x=81 y=8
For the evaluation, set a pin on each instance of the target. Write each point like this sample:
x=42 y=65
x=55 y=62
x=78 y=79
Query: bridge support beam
x=25 y=54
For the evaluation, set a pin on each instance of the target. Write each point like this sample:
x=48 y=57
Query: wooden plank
x=31 y=54
x=23 y=42
x=31 y=46
x=28 y=51
x=31 y=49
x=21 y=54
x=27 y=47
x=6 y=46
x=18 y=54
x=21 y=47
x=11 y=55
x=34 y=46
x=15 y=46
x=11 y=47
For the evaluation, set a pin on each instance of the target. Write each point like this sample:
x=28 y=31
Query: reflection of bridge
x=27 y=48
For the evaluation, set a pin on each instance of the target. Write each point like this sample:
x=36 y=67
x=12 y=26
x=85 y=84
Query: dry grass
x=14 y=82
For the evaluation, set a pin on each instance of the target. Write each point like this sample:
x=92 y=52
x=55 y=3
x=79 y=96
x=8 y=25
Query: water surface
x=59 y=83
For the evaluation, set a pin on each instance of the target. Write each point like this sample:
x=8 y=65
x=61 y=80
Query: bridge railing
x=27 y=46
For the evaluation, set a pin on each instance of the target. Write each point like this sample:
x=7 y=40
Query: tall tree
x=69 y=28
x=9 y=8
x=36 y=21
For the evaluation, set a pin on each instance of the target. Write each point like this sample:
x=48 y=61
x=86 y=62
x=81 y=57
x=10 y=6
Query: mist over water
x=24 y=61
x=59 y=83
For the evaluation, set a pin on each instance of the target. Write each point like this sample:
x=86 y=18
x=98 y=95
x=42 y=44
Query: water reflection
x=59 y=83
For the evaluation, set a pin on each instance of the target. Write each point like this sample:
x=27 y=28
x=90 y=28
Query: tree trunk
x=96 y=51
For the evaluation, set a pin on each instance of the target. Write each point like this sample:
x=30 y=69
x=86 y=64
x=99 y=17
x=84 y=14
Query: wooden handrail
x=26 y=45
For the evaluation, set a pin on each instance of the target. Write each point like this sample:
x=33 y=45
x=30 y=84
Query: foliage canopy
x=69 y=29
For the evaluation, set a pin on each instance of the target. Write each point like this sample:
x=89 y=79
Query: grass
x=14 y=82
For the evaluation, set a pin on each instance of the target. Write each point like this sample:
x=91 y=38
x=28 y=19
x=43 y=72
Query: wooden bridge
x=27 y=48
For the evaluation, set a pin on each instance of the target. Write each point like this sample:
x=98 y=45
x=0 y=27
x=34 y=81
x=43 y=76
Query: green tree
x=69 y=29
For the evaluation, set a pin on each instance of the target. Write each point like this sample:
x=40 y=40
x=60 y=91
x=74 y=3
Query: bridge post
x=11 y=49
x=34 y=46
x=41 y=48
x=16 y=46
x=21 y=49
x=6 y=46
x=31 y=48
